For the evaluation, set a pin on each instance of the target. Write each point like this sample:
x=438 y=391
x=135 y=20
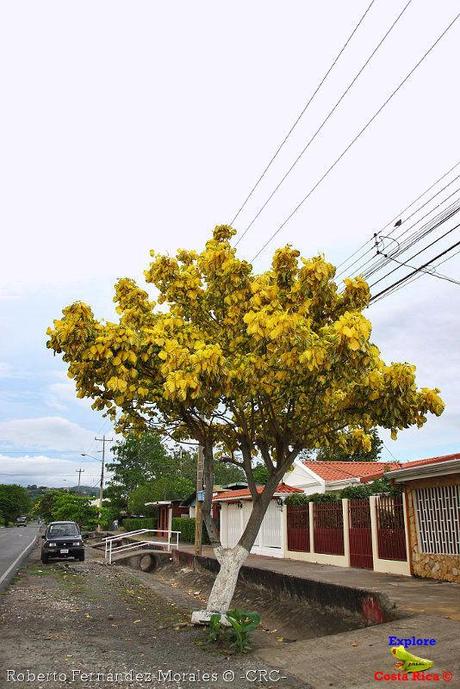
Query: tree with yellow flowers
x=248 y=365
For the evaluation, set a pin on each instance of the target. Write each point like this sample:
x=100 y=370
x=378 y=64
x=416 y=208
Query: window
x=63 y=530
x=438 y=519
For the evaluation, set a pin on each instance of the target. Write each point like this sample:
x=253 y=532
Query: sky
x=132 y=126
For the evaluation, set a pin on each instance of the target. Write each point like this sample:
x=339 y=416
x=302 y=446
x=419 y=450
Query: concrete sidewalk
x=358 y=659
x=408 y=594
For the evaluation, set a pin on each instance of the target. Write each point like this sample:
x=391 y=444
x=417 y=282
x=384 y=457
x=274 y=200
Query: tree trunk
x=230 y=560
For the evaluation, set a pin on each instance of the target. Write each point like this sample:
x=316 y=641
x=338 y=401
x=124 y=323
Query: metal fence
x=328 y=528
x=298 y=528
x=391 y=533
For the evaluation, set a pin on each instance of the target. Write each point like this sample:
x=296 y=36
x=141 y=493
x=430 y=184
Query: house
x=191 y=500
x=166 y=511
x=307 y=476
x=235 y=509
x=314 y=476
x=432 y=496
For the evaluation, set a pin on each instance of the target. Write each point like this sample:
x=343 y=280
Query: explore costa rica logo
x=409 y=667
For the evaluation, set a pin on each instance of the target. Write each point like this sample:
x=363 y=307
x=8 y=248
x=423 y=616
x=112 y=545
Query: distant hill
x=35 y=491
x=85 y=490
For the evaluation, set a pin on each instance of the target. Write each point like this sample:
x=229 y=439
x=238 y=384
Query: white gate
x=268 y=541
x=234 y=530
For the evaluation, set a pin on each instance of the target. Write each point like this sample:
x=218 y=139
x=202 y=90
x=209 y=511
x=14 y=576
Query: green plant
x=302 y=499
x=364 y=490
x=215 y=628
x=242 y=624
x=186 y=526
x=134 y=524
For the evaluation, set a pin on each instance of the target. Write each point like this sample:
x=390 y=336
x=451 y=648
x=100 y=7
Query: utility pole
x=199 y=502
x=79 y=472
x=102 y=440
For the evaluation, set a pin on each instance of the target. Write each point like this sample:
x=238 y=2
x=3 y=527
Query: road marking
x=11 y=567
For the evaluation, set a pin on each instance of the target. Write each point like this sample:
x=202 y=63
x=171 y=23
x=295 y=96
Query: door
x=359 y=520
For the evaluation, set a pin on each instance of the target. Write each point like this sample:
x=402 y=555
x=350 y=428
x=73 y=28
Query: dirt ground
x=79 y=624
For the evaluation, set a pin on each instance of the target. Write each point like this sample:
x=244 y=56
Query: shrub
x=139 y=523
x=302 y=499
x=356 y=492
x=364 y=490
x=242 y=624
x=186 y=526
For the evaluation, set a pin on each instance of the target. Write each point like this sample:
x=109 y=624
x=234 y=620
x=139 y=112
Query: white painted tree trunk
x=230 y=560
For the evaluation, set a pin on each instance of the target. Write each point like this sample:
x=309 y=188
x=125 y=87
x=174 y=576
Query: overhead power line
x=358 y=135
x=421 y=268
x=299 y=117
x=381 y=259
x=397 y=217
x=420 y=274
x=435 y=241
x=325 y=120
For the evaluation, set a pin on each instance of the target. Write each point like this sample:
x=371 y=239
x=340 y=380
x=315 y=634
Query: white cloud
x=46 y=471
x=46 y=432
x=5 y=370
x=63 y=395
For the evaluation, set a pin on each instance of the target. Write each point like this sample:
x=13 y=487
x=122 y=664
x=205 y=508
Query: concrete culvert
x=148 y=563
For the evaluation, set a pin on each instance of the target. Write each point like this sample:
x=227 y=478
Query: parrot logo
x=407 y=662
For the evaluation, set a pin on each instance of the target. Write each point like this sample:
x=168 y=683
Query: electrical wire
x=325 y=120
x=404 y=279
x=435 y=241
x=432 y=272
x=398 y=216
x=358 y=135
x=418 y=276
x=379 y=261
x=303 y=111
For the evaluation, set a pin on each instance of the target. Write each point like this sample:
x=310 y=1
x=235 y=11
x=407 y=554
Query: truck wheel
x=81 y=557
x=44 y=559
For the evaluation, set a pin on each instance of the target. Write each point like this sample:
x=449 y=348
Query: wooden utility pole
x=199 y=502
x=79 y=472
x=102 y=440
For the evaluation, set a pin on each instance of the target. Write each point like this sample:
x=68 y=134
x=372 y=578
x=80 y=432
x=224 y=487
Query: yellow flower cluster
x=281 y=350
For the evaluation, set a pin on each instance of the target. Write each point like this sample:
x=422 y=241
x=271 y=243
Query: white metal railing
x=170 y=541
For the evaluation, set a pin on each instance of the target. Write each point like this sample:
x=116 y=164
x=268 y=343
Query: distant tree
x=165 y=488
x=143 y=460
x=138 y=459
x=45 y=504
x=14 y=501
x=260 y=473
x=75 y=508
x=334 y=451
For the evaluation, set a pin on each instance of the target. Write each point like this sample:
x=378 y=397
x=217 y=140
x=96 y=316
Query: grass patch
x=38 y=571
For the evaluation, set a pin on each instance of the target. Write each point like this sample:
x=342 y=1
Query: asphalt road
x=14 y=541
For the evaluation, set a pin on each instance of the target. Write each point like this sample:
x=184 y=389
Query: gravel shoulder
x=94 y=626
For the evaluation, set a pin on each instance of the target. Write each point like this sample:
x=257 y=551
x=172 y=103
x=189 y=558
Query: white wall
x=300 y=477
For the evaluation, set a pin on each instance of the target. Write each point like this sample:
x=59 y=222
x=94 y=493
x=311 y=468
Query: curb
x=371 y=607
x=7 y=576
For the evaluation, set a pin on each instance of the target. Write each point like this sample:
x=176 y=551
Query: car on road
x=62 y=540
x=21 y=521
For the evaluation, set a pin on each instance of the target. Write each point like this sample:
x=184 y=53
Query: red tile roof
x=429 y=460
x=246 y=493
x=339 y=471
